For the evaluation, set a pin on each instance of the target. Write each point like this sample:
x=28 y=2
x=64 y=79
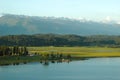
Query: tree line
x=60 y=40
x=11 y=51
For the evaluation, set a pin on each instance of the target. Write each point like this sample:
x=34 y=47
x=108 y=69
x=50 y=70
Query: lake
x=91 y=69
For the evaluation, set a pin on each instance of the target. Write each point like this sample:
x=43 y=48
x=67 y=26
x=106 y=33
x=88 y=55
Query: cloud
x=1 y=15
x=118 y=22
x=108 y=19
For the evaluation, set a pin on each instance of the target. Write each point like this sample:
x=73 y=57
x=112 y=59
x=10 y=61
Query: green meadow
x=78 y=51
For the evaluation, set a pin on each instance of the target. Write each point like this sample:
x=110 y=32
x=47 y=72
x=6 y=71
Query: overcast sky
x=89 y=9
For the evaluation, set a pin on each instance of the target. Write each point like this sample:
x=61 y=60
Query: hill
x=20 y=24
x=59 y=40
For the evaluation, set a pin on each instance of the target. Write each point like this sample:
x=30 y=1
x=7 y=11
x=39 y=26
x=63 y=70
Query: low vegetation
x=78 y=51
x=14 y=55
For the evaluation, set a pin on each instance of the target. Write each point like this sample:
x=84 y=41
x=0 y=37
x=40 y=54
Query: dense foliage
x=8 y=51
x=59 y=40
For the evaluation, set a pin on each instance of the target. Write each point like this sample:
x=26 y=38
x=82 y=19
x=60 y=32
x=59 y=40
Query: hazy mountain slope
x=17 y=24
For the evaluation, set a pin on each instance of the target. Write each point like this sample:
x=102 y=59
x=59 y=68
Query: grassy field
x=78 y=51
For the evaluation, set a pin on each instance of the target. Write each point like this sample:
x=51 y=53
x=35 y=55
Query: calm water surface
x=92 y=69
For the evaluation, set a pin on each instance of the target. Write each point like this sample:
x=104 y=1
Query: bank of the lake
x=37 y=54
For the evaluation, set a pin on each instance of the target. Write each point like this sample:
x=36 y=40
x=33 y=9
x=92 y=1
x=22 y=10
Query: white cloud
x=107 y=19
x=1 y=15
x=118 y=22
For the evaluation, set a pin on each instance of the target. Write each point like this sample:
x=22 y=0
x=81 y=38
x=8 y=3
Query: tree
x=16 y=50
x=25 y=51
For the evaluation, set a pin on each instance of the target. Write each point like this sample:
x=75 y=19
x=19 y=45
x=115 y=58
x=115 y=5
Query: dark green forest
x=16 y=50
x=59 y=40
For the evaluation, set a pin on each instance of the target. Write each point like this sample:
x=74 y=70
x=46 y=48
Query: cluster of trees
x=16 y=50
x=60 y=40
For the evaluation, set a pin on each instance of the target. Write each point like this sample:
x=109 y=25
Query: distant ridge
x=20 y=24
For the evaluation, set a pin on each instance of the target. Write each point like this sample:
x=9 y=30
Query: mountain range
x=21 y=24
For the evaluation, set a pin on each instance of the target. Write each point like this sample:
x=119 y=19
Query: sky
x=80 y=9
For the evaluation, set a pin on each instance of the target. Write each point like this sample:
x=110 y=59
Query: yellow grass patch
x=78 y=51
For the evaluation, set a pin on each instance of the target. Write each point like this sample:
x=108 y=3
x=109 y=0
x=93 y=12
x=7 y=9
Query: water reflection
x=92 y=69
x=44 y=62
x=47 y=62
x=16 y=63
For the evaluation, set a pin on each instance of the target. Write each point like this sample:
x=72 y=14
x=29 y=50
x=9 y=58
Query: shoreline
x=16 y=60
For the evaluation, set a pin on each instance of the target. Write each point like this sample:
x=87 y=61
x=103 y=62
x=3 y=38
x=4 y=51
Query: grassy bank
x=15 y=60
x=76 y=53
